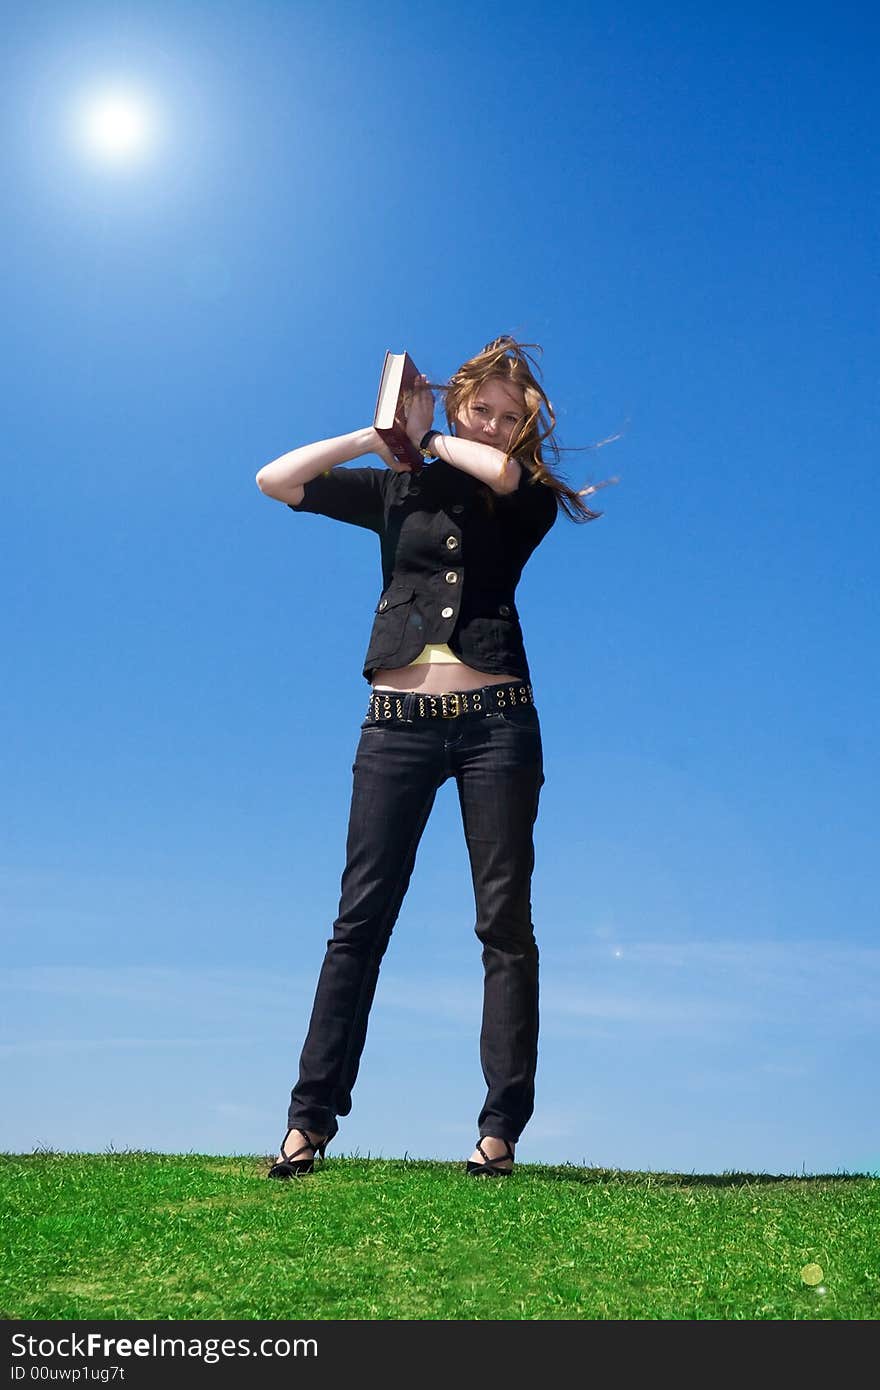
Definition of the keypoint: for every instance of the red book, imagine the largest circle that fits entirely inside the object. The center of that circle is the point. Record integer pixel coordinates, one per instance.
(399, 374)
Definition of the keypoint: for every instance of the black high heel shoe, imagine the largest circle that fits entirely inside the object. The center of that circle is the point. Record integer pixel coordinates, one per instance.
(292, 1166)
(490, 1168)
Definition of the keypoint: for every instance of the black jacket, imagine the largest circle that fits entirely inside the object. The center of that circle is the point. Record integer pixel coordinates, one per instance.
(450, 567)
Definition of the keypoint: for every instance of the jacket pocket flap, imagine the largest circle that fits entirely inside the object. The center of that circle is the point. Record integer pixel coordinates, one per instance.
(394, 596)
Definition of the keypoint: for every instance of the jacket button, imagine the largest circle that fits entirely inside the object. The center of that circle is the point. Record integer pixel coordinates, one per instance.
(504, 611)
(451, 577)
(414, 491)
(383, 605)
(458, 509)
(446, 612)
(451, 543)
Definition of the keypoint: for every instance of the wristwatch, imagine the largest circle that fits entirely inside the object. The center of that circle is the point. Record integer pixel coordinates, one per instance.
(425, 444)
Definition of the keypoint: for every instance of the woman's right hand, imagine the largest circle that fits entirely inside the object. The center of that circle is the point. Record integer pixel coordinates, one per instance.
(381, 448)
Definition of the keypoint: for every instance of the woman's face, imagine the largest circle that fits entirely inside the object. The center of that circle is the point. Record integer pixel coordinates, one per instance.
(492, 415)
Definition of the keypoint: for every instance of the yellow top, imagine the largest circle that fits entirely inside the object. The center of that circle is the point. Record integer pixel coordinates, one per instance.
(435, 651)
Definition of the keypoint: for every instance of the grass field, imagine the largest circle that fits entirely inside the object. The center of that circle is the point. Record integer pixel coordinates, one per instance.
(157, 1236)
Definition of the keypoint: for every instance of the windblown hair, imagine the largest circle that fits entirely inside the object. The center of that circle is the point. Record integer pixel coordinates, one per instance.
(507, 361)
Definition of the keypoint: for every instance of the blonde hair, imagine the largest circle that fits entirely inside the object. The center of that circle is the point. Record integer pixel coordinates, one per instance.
(507, 361)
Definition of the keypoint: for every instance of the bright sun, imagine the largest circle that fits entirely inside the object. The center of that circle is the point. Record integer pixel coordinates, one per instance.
(117, 126)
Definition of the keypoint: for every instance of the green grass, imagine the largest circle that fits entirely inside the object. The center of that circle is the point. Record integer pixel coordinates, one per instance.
(156, 1236)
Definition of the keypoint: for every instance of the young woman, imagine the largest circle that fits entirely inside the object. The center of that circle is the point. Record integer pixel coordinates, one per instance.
(451, 697)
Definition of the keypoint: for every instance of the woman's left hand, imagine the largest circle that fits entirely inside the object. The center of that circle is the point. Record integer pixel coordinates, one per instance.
(420, 415)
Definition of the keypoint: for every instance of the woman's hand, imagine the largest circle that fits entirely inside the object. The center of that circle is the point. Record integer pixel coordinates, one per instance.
(379, 447)
(420, 415)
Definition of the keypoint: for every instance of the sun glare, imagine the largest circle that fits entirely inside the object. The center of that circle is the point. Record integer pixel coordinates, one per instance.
(116, 126)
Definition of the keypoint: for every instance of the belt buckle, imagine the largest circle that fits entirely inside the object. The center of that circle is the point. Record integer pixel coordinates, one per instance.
(450, 714)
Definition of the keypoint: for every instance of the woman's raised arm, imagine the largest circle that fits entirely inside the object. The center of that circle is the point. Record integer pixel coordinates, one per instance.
(482, 461)
(284, 477)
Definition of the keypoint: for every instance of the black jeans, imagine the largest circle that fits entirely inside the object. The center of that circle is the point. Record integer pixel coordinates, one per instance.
(497, 762)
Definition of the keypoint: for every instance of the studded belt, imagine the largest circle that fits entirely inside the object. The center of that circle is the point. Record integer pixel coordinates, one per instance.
(409, 704)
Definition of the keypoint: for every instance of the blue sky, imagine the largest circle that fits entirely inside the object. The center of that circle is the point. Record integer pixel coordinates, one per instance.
(679, 206)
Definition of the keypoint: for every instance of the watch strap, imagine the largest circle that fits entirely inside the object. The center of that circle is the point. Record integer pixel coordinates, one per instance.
(425, 444)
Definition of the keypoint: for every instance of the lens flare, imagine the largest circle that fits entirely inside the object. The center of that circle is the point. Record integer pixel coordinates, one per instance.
(116, 126)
